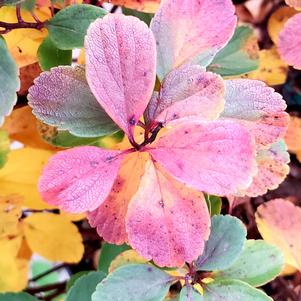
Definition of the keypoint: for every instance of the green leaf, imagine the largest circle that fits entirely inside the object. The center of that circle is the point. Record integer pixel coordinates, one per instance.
(233, 290)
(108, 253)
(258, 264)
(4, 147)
(134, 282)
(10, 2)
(62, 98)
(226, 241)
(214, 204)
(84, 287)
(50, 56)
(241, 55)
(65, 139)
(145, 17)
(188, 293)
(74, 277)
(9, 81)
(28, 5)
(68, 27)
(17, 297)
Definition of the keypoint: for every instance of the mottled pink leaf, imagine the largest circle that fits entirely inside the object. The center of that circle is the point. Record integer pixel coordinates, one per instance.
(272, 169)
(61, 97)
(258, 107)
(216, 157)
(289, 43)
(79, 179)
(121, 62)
(191, 31)
(109, 217)
(167, 221)
(188, 91)
(279, 223)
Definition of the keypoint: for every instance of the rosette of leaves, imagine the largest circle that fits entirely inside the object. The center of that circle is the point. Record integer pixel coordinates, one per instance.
(199, 133)
(231, 268)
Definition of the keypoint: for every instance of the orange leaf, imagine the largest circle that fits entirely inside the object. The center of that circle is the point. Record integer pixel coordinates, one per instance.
(293, 135)
(22, 126)
(277, 21)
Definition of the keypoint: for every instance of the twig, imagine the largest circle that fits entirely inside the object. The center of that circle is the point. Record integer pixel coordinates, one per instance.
(10, 26)
(113, 9)
(46, 288)
(18, 13)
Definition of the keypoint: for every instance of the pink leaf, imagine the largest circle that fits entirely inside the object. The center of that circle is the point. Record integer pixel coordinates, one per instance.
(167, 221)
(272, 169)
(79, 179)
(289, 44)
(109, 217)
(188, 91)
(216, 157)
(191, 31)
(121, 63)
(258, 107)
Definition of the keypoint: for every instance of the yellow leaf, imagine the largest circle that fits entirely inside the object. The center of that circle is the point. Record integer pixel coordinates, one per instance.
(272, 70)
(21, 125)
(148, 6)
(288, 270)
(13, 276)
(53, 237)
(81, 60)
(4, 147)
(22, 43)
(11, 244)
(277, 21)
(14, 271)
(21, 173)
(126, 257)
(279, 223)
(293, 135)
(10, 212)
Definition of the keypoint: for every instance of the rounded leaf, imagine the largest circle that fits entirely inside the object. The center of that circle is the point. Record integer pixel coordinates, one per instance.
(258, 264)
(225, 243)
(191, 31)
(61, 97)
(233, 290)
(53, 237)
(84, 287)
(68, 27)
(121, 62)
(290, 42)
(134, 283)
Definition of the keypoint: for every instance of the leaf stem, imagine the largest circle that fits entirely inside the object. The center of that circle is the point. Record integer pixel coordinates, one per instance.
(7, 27)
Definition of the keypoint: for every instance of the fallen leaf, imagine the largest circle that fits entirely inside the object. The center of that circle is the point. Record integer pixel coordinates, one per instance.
(290, 42)
(279, 223)
(277, 20)
(272, 69)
